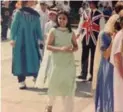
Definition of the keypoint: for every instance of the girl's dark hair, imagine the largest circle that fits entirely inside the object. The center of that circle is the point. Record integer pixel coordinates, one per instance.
(24, 3)
(68, 23)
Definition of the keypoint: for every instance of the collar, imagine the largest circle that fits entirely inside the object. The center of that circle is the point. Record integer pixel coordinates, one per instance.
(94, 10)
(30, 10)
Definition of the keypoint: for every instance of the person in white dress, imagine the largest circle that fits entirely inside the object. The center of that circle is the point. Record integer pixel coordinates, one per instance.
(46, 62)
(51, 22)
(117, 61)
(66, 6)
(41, 8)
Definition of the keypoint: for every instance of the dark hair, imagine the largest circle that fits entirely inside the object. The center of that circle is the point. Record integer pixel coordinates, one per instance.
(24, 3)
(94, 2)
(117, 25)
(118, 7)
(68, 24)
(121, 21)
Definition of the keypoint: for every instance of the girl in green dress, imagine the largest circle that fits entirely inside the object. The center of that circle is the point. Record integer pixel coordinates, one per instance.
(62, 43)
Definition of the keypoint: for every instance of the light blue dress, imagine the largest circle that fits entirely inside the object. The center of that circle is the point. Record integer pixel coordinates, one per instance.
(104, 90)
(26, 32)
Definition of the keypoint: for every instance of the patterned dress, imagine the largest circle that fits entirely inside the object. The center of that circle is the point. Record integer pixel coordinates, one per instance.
(63, 73)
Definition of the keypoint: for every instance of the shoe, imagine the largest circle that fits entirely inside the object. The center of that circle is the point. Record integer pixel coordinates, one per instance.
(81, 77)
(84, 80)
(90, 79)
(4, 39)
(34, 79)
(48, 109)
(22, 85)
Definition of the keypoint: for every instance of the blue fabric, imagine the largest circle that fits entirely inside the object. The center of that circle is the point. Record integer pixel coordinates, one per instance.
(26, 32)
(107, 12)
(105, 42)
(104, 90)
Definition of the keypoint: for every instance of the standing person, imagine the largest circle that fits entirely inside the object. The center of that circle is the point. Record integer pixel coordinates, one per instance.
(5, 17)
(46, 62)
(91, 27)
(15, 8)
(43, 12)
(84, 9)
(18, 5)
(107, 11)
(25, 33)
(62, 43)
(66, 7)
(118, 7)
(104, 89)
(51, 23)
(117, 61)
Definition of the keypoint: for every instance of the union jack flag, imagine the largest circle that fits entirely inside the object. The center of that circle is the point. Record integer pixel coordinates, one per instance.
(89, 26)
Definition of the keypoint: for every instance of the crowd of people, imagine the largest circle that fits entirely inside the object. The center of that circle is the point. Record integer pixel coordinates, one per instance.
(106, 54)
(43, 44)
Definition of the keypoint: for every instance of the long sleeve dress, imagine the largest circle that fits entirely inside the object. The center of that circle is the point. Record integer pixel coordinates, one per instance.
(26, 32)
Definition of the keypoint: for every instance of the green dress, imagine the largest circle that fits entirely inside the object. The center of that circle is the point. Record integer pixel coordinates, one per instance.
(26, 31)
(63, 73)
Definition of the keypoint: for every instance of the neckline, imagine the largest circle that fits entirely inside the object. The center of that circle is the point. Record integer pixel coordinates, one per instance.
(30, 10)
(62, 29)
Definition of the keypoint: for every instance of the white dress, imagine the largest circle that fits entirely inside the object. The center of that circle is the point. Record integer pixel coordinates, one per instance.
(43, 18)
(118, 81)
(46, 63)
(97, 60)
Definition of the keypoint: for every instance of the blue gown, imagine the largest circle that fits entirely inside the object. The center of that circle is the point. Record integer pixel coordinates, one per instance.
(26, 32)
(104, 89)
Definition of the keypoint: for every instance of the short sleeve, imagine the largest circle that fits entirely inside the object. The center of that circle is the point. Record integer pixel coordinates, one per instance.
(105, 42)
(52, 31)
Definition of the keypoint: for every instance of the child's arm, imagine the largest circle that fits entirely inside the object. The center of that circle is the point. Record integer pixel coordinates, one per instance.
(74, 42)
(118, 63)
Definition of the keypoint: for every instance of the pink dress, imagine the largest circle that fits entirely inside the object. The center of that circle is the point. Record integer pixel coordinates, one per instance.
(118, 80)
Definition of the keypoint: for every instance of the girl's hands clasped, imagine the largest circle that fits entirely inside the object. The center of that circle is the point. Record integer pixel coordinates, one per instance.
(66, 48)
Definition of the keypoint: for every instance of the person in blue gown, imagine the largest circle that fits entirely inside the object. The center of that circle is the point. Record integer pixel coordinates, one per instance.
(104, 90)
